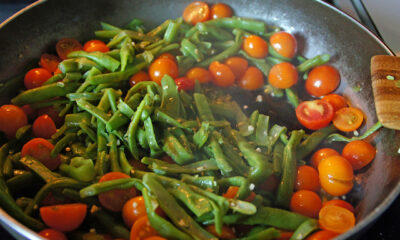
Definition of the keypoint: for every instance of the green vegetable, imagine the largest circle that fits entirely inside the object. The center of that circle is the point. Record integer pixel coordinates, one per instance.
(79, 168)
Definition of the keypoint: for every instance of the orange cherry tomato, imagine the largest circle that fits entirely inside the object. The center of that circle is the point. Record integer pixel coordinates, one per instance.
(162, 66)
(114, 200)
(196, 12)
(184, 83)
(11, 119)
(66, 45)
(252, 79)
(168, 56)
(200, 74)
(142, 229)
(49, 62)
(133, 209)
(222, 74)
(139, 77)
(306, 202)
(40, 149)
(336, 219)
(307, 179)
(238, 66)
(336, 101)
(322, 235)
(221, 10)
(283, 75)
(95, 46)
(36, 77)
(359, 153)
(322, 80)
(336, 175)
(255, 46)
(339, 203)
(284, 43)
(321, 154)
(232, 191)
(314, 114)
(52, 234)
(65, 217)
(348, 119)
(227, 232)
(44, 127)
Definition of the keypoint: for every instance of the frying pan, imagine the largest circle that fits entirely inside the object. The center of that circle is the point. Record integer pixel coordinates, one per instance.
(318, 27)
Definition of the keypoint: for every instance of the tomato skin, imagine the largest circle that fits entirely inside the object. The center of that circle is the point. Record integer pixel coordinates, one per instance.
(53, 113)
(40, 149)
(139, 77)
(321, 154)
(196, 12)
(155, 238)
(306, 202)
(348, 119)
(222, 74)
(200, 74)
(270, 184)
(284, 43)
(11, 119)
(114, 200)
(66, 45)
(49, 62)
(307, 179)
(168, 56)
(232, 191)
(95, 46)
(227, 232)
(339, 203)
(36, 77)
(44, 127)
(336, 101)
(133, 209)
(29, 111)
(336, 219)
(142, 229)
(221, 10)
(252, 79)
(322, 80)
(52, 234)
(162, 66)
(255, 46)
(359, 153)
(238, 66)
(322, 235)
(283, 75)
(65, 217)
(184, 83)
(314, 114)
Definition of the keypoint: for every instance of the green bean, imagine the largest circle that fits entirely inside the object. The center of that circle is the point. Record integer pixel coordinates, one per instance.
(335, 137)
(122, 183)
(277, 157)
(274, 53)
(305, 229)
(127, 53)
(312, 141)
(259, 63)
(203, 107)
(114, 159)
(54, 79)
(107, 26)
(135, 25)
(116, 230)
(273, 60)
(96, 112)
(62, 143)
(7, 170)
(235, 159)
(170, 103)
(159, 30)
(126, 167)
(74, 119)
(201, 136)
(162, 167)
(85, 127)
(261, 133)
(116, 121)
(98, 57)
(125, 109)
(74, 195)
(206, 182)
(173, 148)
(313, 62)
(241, 182)
(241, 23)
(68, 65)
(111, 98)
(267, 234)
(292, 97)
(216, 32)
(131, 133)
(172, 30)
(220, 158)
(189, 49)
(151, 138)
(41, 170)
(20, 181)
(85, 95)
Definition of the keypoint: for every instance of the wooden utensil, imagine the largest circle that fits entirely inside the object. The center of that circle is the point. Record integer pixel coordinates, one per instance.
(385, 74)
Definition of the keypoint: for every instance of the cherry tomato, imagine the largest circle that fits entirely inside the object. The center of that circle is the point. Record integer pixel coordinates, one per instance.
(221, 10)
(285, 235)
(283, 75)
(336, 101)
(359, 153)
(40, 149)
(336, 219)
(142, 229)
(29, 111)
(49, 62)
(155, 238)
(133, 209)
(53, 113)
(227, 232)
(57, 71)
(168, 159)
(52, 199)
(322, 235)
(232, 191)
(306, 202)
(95, 46)
(168, 56)
(222, 74)
(200, 74)
(335, 175)
(184, 83)
(52, 234)
(196, 12)
(322, 80)
(44, 127)
(339, 203)
(284, 43)
(11, 119)
(314, 114)
(348, 119)
(307, 179)
(114, 200)
(252, 79)
(321, 154)
(65, 217)
(139, 77)
(238, 66)
(255, 46)
(162, 66)
(36, 77)
(66, 45)
(270, 184)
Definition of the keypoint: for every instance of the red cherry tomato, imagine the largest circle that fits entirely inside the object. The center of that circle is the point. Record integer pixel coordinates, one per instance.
(53, 113)
(232, 191)
(196, 12)
(95, 46)
(284, 43)
(52, 234)
(226, 233)
(283, 75)
(222, 74)
(252, 79)
(314, 114)
(49, 62)
(36, 77)
(65, 217)
(184, 83)
(66, 45)
(270, 184)
(162, 66)
(29, 111)
(336, 101)
(11, 119)
(200, 74)
(44, 127)
(139, 77)
(322, 80)
(40, 149)
(221, 10)
(255, 46)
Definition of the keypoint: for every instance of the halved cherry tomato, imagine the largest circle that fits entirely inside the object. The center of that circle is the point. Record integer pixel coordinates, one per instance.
(232, 191)
(314, 114)
(238, 66)
(44, 127)
(184, 83)
(336, 101)
(66, 45)
(255, 46)
(307, 179)
(11, 119)
(322, 80)
(40, 149)
(252, 79)
(227, 232)
(223, 75)
(284, 43)
(336, 175)
(306, 202)
(200, 74)
(322, 235)
(36, 77)
(359, 153)
(65, 217)
(348, 119)
(336, 219)
(133, 209)
(114, 200)
(162, 66)
(49, 62)
(29, 111)
(283, 75)
(339, 203)
(221, 10)
(139, 77)
(53, 113)
(142, 229)
(322, 154)
(52, 234)
(95, 46)
(168, 56)
(196, 12)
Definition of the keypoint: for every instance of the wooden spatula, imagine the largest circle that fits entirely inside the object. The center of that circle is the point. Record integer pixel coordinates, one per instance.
(385, 73)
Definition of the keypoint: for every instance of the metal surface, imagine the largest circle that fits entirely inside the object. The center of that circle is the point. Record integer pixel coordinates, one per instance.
(318, 27)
